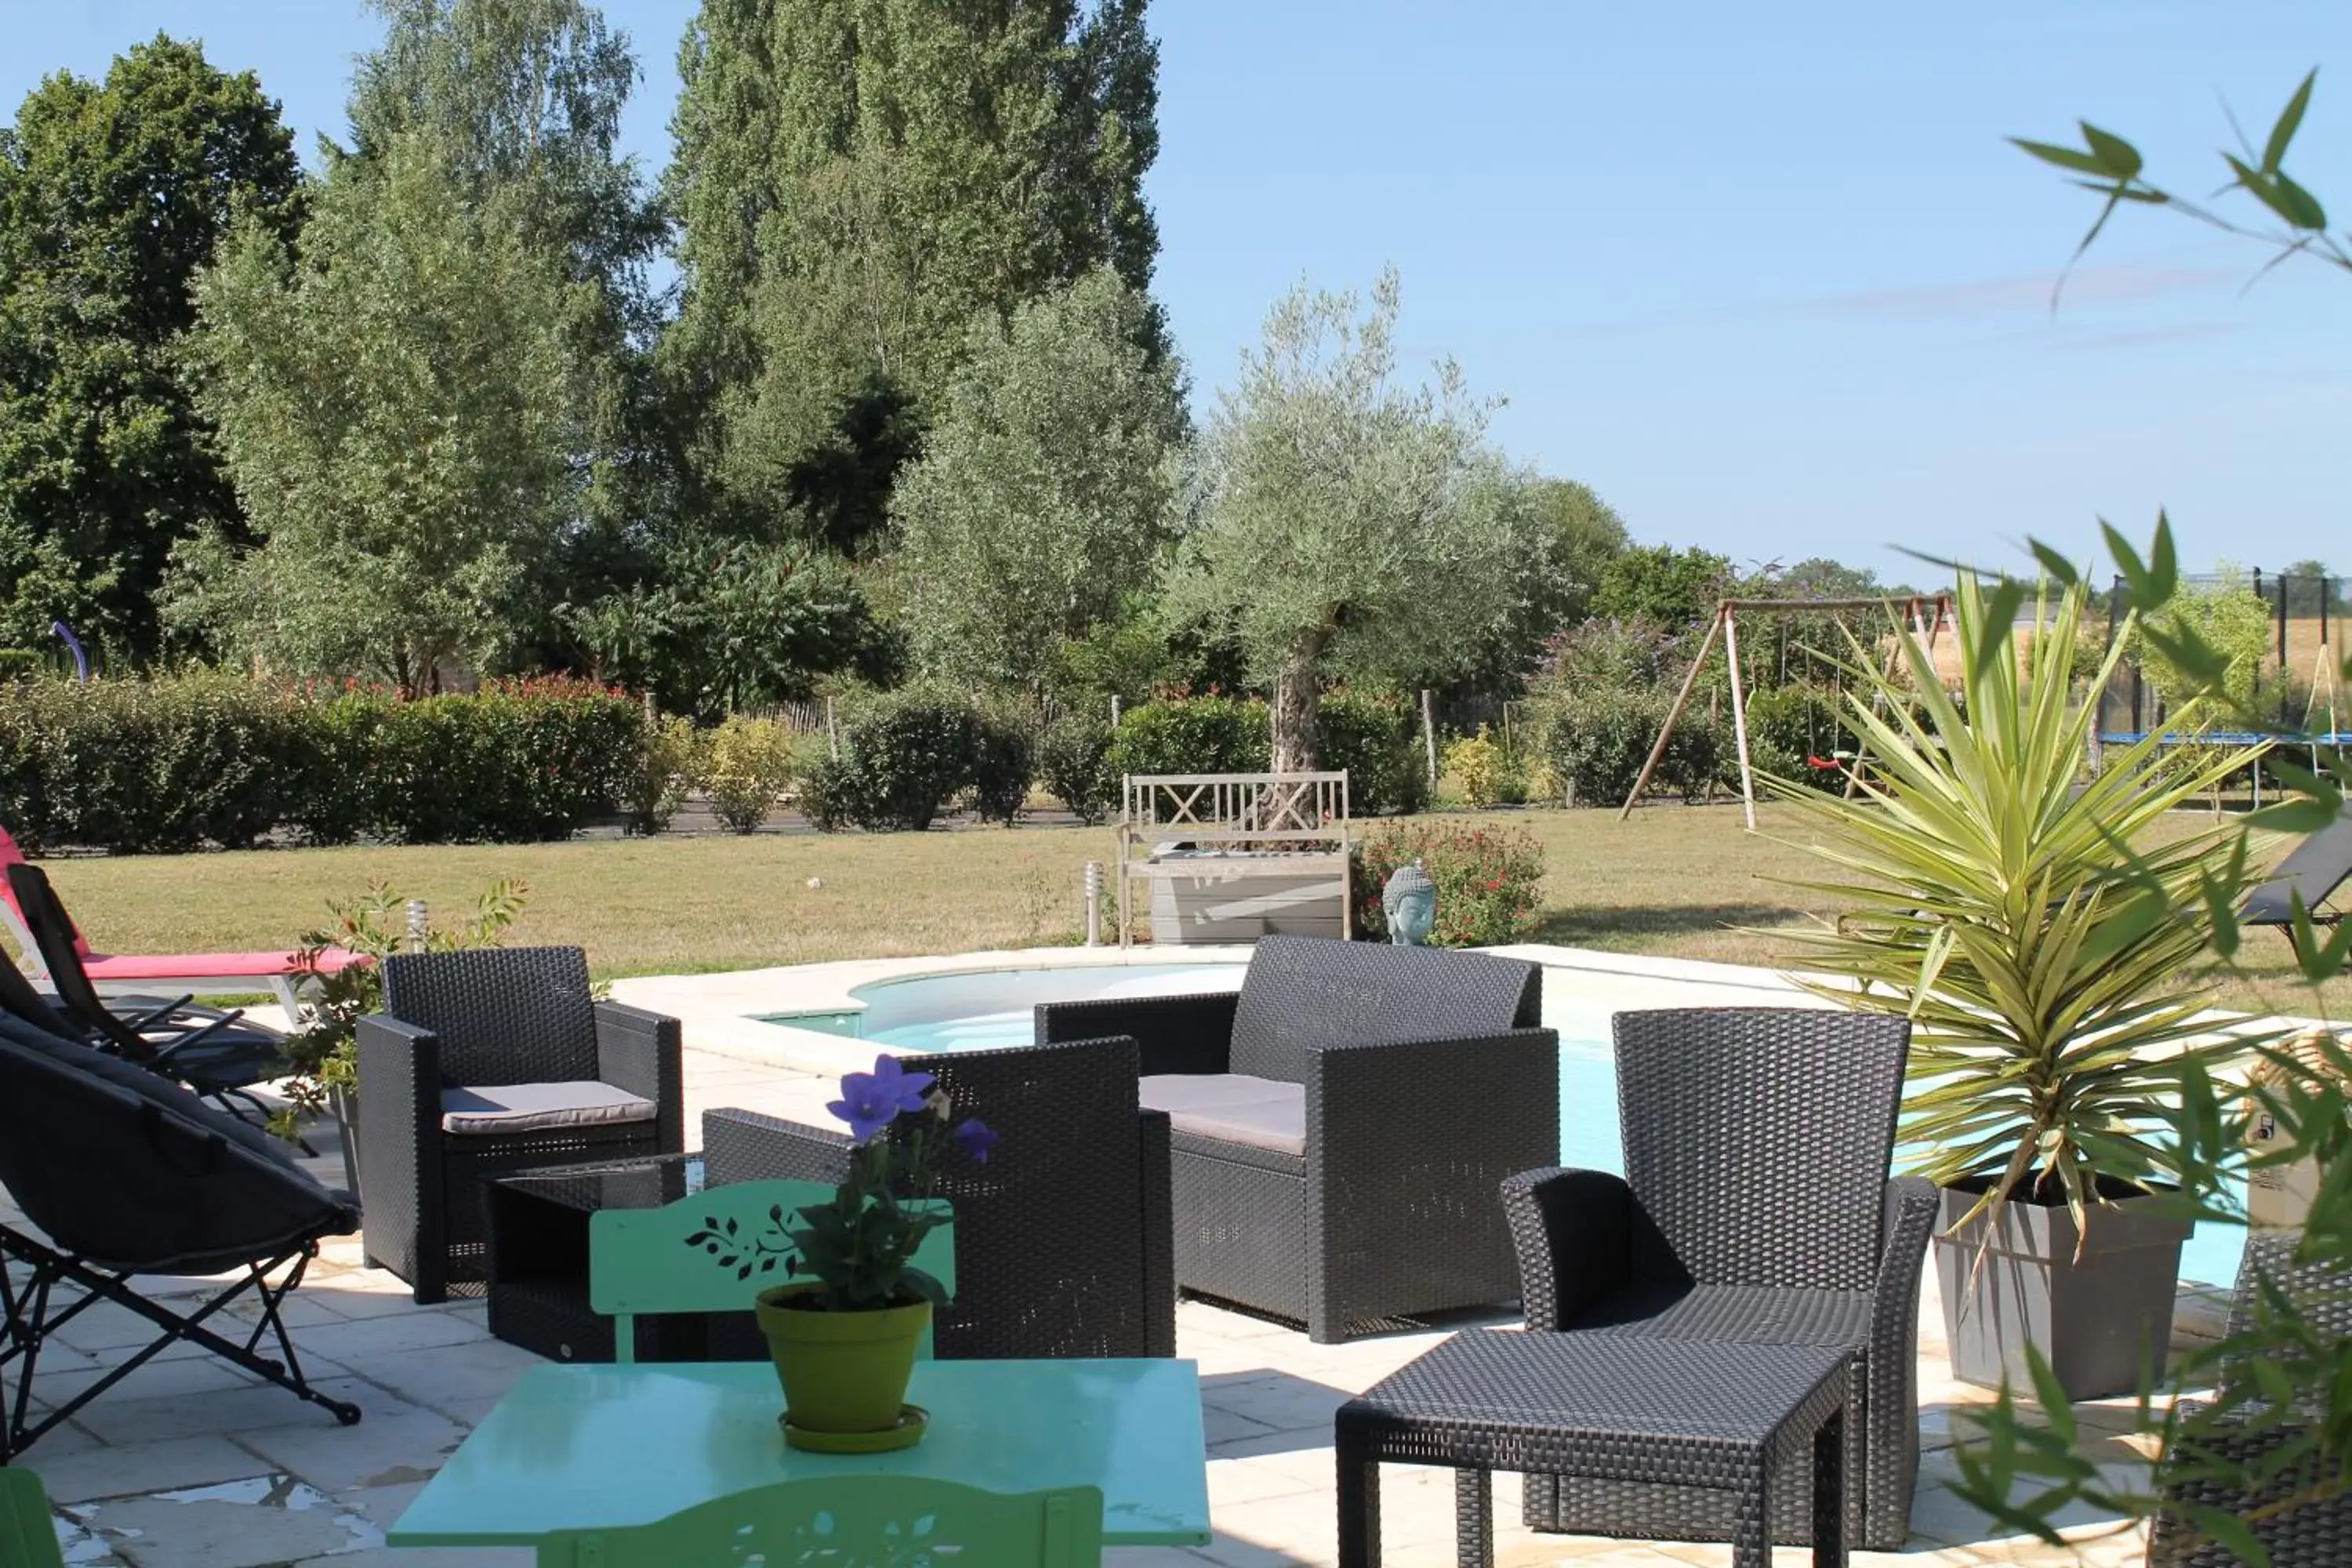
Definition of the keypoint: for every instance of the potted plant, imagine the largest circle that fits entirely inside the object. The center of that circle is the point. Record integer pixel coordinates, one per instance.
(323, 1043)
(2005, 903)
(843, 1332)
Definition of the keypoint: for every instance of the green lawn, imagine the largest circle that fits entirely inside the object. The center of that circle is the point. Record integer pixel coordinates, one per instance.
(1685, 882)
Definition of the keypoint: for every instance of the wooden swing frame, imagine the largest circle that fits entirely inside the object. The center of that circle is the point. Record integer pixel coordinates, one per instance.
(1924, 613)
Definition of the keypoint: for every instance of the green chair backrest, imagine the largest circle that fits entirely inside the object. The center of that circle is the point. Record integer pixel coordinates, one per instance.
(712, 1251)
(854, 1521)
(29, 1530)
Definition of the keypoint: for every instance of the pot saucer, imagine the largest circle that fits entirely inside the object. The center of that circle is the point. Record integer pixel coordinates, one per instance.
(906, 1434)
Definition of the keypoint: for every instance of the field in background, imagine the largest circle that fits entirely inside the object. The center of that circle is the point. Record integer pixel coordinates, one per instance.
(1679, 881)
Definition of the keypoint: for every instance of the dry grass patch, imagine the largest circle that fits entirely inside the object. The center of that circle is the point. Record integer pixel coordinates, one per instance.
(1685, 882)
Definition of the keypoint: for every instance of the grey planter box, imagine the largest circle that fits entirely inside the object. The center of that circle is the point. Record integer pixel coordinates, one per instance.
(2095, 1321)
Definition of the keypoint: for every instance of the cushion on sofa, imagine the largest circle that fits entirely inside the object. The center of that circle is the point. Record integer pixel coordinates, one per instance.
(512, 1108)
(1262, 1113)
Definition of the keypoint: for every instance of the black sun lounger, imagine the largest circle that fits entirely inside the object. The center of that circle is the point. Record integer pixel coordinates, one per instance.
(2316, 868)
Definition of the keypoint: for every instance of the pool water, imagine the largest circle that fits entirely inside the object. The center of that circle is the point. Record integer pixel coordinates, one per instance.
(994, 1010)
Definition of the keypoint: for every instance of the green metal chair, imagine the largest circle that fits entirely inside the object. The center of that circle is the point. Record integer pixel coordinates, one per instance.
(854, 1521)
(29, 1530)
(710, 1252)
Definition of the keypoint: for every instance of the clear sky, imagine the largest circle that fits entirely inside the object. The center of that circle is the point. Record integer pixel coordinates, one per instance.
(1765, 276)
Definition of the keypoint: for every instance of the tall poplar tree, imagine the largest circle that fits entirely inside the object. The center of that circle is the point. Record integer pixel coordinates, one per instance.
(112, 194)
(855, 179)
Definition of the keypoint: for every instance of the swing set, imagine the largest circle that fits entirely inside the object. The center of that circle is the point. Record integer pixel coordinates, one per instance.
(1924, 614)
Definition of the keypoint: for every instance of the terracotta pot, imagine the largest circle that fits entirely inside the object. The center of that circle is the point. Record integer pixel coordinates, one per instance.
(840, 1372)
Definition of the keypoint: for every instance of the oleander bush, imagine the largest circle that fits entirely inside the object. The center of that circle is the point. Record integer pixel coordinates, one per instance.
(1488, 880)
(1595, 743)
(901, 763)
(1074, 765)
(1193, 736)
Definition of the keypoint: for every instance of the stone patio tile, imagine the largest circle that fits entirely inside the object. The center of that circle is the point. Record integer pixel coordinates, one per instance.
(398, 1443)
(1240, 1480)
(233, 1532)
(356, 1341)
(1221, 1426)
(244, 1409)
(107, 1327)
(182, 1377)
(131, 1469)
(1280, 1403)
(462, 1382)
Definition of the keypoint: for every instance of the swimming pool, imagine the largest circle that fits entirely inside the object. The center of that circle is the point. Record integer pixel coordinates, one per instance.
(991, 1010)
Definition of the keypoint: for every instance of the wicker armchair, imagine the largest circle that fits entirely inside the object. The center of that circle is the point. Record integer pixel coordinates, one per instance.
(2312, 1534)
(488, 1061)
(1062, 1240)
(1756, 1208)
(1340, 1125)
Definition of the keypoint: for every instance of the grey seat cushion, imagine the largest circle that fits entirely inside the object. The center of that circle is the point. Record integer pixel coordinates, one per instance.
(1261, 1112)
(512, 1108)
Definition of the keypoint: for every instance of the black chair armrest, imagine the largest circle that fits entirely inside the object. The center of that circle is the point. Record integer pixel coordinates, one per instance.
(1171, 1034)
(1573, 1231)
(401, 1176)
(643, 1053)
(746, 1146)
(1153, 1132)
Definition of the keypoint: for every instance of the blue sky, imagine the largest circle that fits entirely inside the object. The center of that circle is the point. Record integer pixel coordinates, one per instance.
(1767, 278)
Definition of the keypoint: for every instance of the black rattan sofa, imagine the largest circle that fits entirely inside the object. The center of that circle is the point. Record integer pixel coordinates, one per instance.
(491, 1060)
(1756, 1208)
(1062, 1238)
(2299, 1519)
(1341, 1125)
(125, 1173)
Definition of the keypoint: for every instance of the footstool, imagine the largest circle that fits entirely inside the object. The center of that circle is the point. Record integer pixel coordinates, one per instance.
(1673, 1412)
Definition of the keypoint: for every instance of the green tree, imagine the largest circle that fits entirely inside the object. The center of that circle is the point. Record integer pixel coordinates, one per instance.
(853, 180)
(1658, 583)
(1342, 524)
(400, 412)
(111, 196)
(2225, 614)
(1042, 495)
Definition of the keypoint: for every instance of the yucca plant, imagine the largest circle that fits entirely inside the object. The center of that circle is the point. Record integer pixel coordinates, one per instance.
(2005, 903)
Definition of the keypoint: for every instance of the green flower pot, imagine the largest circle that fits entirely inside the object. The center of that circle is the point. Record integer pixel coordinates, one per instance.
(840, 1372)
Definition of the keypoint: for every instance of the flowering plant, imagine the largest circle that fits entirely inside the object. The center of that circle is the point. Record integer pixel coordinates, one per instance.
(859, 1248)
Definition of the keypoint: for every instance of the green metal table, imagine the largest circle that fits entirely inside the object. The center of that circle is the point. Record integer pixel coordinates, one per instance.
(587, 1447)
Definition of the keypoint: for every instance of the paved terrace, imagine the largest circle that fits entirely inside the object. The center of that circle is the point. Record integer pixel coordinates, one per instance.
(190, 1464)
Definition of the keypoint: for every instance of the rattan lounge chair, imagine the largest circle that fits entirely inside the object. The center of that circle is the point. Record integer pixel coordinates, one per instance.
(488, 1061)
(1755, 1208)
(125, 1173)
(1340, 1125)
(2315, 1533)
(1062, 1241)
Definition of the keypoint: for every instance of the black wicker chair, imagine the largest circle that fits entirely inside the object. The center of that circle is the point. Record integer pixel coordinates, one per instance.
(1340, 1125)
(126, 1173)
(1061, 1238)
(1756, 1208)
(2302, 1534)
(488, 1061)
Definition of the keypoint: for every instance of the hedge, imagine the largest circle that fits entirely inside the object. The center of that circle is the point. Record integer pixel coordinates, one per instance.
(179, 762)
(1596, 743)
(906, 758)
(1374, 736)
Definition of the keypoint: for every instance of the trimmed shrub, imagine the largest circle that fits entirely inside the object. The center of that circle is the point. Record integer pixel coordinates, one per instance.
(1074, 762)
(899, 765)
(1376, 736)
(1003, 763)
(747, 764)
(667, 767)
(1193, 736)
(1488, 880)
(1596, 743)
(1490, 775)
(1787, 728)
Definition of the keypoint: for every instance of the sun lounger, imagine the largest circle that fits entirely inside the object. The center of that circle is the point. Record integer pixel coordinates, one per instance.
(2316, 868)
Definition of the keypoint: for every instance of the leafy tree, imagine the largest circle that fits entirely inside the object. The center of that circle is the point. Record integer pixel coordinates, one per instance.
(111, 196)
(1042, 497)
(1570, 535)
(400, 412)
(519, 103)
(1659, 583)
(856, 179)
(1343, 524)
(2225, 614)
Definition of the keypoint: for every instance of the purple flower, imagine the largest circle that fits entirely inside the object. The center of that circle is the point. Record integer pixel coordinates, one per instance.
(870, 1101)
(976, 1138)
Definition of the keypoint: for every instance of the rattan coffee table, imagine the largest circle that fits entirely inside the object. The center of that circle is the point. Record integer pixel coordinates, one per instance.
(1628, 1411)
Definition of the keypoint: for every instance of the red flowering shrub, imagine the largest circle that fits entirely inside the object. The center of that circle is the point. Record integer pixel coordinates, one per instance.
(1487, 880)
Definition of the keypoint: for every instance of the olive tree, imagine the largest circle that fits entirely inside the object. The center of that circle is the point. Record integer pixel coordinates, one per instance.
(1341, 524)
(1041, 501)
